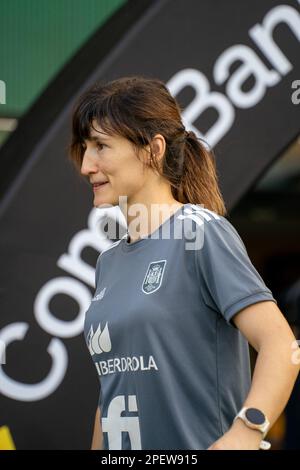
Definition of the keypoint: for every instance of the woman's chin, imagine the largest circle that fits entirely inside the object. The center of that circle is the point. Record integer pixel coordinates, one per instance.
(99, 201)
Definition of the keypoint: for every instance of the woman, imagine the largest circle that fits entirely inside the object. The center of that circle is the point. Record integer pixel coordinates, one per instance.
(171, 316)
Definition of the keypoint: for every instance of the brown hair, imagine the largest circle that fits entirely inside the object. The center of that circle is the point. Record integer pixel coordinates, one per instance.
(137, 108)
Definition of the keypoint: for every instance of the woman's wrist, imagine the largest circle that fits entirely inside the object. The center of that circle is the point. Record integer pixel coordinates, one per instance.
(245, 432)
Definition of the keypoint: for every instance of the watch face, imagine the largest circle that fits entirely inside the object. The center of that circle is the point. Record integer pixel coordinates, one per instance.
(255, 416)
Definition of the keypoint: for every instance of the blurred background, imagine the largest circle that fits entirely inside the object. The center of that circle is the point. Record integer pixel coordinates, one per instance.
(50, 51)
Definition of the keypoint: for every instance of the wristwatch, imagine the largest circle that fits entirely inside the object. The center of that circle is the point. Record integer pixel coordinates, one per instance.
(255, 419)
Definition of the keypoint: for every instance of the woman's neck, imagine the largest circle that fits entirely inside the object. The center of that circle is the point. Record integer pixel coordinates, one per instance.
(144, 218)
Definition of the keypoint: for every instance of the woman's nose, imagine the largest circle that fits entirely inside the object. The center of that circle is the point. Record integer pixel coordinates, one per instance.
(88, 165)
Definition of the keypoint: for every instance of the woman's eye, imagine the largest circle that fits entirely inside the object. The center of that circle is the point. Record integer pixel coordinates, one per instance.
(99, 146)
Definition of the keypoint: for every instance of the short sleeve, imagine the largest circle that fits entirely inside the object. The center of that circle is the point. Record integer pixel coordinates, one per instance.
(228, 280)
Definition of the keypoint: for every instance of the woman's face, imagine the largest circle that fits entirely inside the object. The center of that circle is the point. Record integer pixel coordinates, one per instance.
(111, 160)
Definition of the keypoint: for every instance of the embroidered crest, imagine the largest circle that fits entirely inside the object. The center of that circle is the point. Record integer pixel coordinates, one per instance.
(154, 275)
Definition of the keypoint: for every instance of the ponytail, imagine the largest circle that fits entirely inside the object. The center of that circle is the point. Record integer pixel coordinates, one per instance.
(198, 182)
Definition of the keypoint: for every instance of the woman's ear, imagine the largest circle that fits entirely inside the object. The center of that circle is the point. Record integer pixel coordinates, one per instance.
(158, 146)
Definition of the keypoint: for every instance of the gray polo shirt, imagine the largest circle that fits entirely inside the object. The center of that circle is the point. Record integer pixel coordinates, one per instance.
(173, 368)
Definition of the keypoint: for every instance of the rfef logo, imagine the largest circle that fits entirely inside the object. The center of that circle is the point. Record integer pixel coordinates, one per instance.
(154, 275)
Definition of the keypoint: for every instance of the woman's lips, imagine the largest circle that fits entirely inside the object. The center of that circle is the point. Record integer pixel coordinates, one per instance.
(98, 186)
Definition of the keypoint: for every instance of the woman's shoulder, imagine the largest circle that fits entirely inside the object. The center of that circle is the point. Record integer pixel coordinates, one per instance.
(197, 216)
(208, 227)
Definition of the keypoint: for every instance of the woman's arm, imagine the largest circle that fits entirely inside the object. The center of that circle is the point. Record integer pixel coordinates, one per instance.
(275, 373)
(97, 435)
